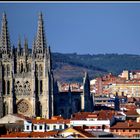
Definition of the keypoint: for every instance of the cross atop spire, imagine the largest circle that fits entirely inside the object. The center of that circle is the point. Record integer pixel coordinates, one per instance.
(5, 40)
(40, 40)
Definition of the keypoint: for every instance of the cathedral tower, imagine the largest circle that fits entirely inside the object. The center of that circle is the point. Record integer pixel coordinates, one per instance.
(44, 77)
(26, 77)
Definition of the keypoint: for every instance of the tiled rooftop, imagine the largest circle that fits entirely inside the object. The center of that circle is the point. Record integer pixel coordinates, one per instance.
(126, 125)
(100, 115)
(32, 134)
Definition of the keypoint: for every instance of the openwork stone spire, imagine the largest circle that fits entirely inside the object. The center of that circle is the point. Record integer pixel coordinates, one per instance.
(40, 40)
(25, 49)
(5, 40)
(19, 47)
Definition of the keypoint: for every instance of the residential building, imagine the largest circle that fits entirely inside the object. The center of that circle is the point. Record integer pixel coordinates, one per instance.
(126, 129)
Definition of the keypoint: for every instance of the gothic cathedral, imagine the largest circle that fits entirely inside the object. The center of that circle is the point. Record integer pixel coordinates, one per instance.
(27, 85)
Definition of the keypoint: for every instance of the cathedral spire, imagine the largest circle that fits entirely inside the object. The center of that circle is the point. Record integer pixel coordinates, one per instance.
(25, 49)
(40, 40)
(5, 40)
(86, 78)
(19, 46)
(86, 94)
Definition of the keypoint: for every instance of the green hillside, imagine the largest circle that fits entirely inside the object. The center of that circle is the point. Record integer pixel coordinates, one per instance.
(71, 67)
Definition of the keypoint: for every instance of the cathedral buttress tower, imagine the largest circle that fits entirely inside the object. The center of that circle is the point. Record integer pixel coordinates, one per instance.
(44, 77)
(7, 60)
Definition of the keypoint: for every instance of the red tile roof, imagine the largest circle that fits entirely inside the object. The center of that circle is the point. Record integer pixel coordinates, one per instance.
(131, 112)
(32, 134)
(100, 115)
(50, 121)
(126, 125)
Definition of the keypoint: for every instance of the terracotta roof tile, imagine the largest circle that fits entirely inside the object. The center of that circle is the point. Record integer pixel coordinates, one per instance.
(126, 125)
(50, 121)
(131, 112)
(32, 134)
(101, 115)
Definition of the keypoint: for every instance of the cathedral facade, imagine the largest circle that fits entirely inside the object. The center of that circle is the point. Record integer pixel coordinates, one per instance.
(27, 85)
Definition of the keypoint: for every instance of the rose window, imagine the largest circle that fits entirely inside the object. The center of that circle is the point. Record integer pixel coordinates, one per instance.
(23, 107)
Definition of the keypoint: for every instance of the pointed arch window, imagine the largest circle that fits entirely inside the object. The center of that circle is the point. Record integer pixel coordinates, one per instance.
(4, 87)
(8, 87)
(41, 89)
(21, 69)
(39, 109)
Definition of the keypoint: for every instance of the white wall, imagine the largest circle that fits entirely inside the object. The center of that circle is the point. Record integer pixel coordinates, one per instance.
(57, 126)
(89, 123)
(38, 128)
(26, 123)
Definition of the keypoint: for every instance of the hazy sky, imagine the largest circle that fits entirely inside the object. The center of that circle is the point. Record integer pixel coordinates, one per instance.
(78, 27)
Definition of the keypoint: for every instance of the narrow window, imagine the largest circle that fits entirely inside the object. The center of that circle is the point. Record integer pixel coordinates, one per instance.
(48, 127)
(27, 127)
(40, 127)
(40, 86)
(8, 87)
(21, 69)
(35, 127)
(54, 127)
(4, 87)
(60, 126)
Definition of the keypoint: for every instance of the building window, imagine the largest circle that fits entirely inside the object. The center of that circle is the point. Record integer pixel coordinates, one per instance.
(54, 127)
(48, 127)
(4, 87)
(60, 126)
(8, 87)
(21, 68)
(27, 127)
(35, 127)
(130, 130)
(41, 87)
(40, 127)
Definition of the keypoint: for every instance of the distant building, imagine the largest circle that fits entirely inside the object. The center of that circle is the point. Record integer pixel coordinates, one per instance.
(126, 129)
